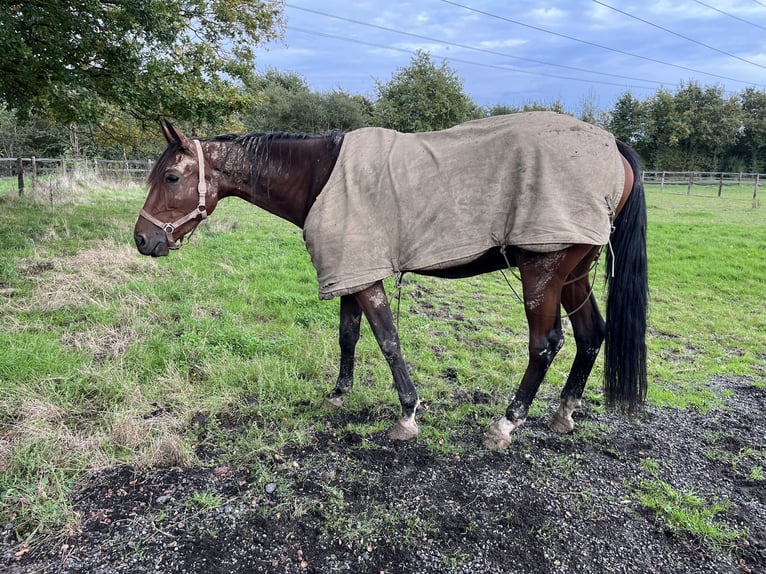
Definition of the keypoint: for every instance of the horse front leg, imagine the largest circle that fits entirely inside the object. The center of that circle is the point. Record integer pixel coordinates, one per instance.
(374, 304)
(348, 336)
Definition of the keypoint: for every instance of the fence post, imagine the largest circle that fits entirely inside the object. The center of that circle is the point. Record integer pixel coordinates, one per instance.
(691, 182)
(720, 185)
(34, 172)
(20, 173)
(662, 182)
(755, 191)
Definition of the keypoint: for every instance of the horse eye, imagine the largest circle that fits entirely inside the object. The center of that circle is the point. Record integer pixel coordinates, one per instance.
(171, 178)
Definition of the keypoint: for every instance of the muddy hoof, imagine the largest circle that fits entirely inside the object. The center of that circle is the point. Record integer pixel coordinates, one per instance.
(561, 423)
(333, 403)
(495, 441)
(404, 430)
(498, 436)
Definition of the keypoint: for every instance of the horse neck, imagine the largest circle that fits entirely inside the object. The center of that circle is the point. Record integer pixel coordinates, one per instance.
(281, 174)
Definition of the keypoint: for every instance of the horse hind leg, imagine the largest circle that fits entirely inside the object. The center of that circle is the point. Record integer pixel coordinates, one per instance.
(589, 329)
(541, 282)
(348, 336)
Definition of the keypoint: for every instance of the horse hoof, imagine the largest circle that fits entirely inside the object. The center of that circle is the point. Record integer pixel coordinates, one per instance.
(333, 403)
(498, 436)
(404, 429)
(560, 423)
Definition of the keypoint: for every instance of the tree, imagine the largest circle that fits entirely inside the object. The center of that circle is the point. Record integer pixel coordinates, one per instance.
(288, 104)
(75, 59)
(627, 121)
(664, 131)
(421, 97)
(710, 125)
(752, 139)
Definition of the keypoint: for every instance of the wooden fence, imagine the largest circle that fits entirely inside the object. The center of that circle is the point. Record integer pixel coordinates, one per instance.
(30, 170)
(715, 181)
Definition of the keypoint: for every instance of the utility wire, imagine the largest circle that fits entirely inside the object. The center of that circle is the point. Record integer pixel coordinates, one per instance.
(467, 47)
(616, 50)
(725, 53)
(732, 15)
(350, 20)
(461, 61)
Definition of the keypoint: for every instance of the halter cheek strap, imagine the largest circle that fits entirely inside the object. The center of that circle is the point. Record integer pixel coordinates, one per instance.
(200, 212)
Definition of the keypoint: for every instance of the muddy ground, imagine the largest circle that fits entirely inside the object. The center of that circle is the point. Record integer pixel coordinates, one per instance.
(348, 503)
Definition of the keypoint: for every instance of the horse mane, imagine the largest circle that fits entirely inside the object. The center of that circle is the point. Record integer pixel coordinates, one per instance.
(247, 153)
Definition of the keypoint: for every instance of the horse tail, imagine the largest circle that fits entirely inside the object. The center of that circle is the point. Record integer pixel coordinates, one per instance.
(627, 298)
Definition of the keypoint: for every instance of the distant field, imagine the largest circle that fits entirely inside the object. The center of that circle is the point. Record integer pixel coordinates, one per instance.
(96, 338)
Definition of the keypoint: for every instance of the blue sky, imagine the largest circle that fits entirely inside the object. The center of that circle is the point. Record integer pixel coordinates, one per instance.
(516, 51)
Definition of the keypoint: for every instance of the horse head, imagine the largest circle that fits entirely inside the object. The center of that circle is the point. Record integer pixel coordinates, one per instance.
(178, 195)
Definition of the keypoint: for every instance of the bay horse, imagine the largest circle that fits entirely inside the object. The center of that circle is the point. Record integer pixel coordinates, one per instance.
(285, 174)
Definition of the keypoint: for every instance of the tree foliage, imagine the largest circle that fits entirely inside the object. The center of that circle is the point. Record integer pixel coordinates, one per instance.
(288, 104)
(77, 60)
(695, 128)
(422, 97)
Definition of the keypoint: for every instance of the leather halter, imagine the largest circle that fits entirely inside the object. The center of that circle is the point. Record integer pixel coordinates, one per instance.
(199, 212)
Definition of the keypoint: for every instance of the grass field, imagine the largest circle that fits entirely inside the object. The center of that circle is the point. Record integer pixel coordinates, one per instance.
(107, 357)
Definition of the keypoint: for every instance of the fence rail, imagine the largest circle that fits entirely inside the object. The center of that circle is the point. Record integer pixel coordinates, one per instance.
(690, 179)
(30, 170)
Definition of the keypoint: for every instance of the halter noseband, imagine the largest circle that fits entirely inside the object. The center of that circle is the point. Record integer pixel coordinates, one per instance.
(200, 211)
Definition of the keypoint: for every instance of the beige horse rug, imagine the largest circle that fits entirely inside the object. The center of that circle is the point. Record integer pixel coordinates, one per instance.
(406, 202)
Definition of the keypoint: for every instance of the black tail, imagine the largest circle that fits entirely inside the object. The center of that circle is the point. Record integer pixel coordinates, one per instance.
(627, 299)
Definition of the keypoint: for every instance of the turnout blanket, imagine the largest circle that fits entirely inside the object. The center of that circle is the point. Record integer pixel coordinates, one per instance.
(406, 202)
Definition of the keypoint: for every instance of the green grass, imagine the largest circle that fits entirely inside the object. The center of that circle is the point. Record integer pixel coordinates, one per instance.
(684, 512)
(106, 356)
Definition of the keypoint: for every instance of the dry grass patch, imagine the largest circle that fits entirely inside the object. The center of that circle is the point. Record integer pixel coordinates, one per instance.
(102, 341)
(153, 441)
(90, 277)
(40, 429)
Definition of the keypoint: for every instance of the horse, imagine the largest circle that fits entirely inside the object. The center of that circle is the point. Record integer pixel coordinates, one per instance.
(286, 174)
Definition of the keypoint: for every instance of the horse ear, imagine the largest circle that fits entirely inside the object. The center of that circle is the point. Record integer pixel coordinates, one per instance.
(173, 135)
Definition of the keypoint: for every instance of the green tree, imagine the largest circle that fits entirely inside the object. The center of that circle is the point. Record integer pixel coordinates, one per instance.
(627, 120)
(288, 104)
(710, 124)
(421, 97)
(188, 59)
(664, 131)
(501, 110)
(752, 138)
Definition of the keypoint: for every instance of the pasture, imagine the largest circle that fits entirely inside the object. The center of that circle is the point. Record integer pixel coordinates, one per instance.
(198, 379)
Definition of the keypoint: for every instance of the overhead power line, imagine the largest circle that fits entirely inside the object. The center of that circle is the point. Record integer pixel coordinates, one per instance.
(469, 62)
(463, 46)
(732, 15)
(600, 46)
(725, 53)
(468, 47)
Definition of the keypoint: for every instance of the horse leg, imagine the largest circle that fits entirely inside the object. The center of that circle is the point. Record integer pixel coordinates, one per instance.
(348, 336)
(374, 304)
(541, 281)
(589, 330)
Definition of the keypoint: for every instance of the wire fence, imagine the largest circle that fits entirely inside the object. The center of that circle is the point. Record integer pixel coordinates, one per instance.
(708, 183)
(23, 173)
(27, 172)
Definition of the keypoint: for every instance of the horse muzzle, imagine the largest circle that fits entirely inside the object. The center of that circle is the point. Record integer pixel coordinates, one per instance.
(153, 244)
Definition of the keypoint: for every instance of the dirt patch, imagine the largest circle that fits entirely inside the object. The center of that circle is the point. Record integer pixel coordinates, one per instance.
(358, 504)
